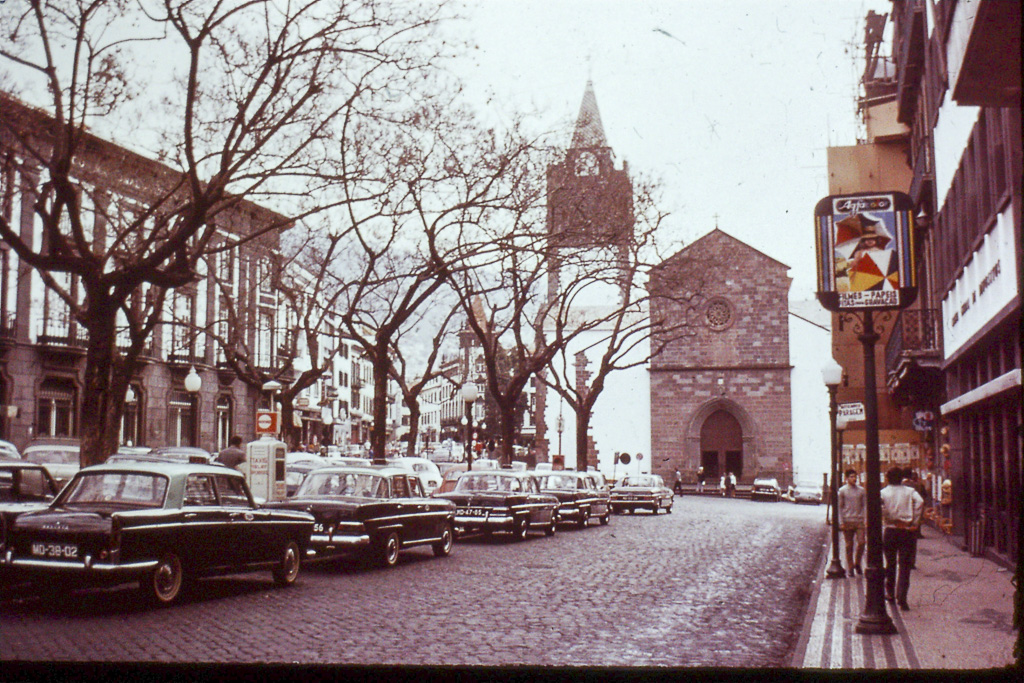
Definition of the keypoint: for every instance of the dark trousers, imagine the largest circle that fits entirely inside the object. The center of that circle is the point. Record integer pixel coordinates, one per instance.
(898, 545)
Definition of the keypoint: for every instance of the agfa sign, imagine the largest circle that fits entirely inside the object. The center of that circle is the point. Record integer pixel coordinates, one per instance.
(865, 251)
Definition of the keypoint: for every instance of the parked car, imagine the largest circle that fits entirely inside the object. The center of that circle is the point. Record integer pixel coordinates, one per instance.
(299, 464)
(807, 493)
(641, 491)
(162, 524)
(61, 457)
(579, 497)
(451, 476)
(766, 488)
(24, 486)
(426, 470)
(8, 451)
(502, 500)
(374, 512)
(196, 456)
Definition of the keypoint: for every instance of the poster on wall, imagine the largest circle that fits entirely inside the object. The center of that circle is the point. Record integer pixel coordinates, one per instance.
(865, 251)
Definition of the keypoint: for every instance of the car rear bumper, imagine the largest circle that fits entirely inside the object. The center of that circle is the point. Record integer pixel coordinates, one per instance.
(319, 543)
(85, 567)
(497, 521)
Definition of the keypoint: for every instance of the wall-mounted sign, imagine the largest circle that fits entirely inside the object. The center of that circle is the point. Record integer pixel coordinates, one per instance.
(986, 286)
(853, 412)
(865, 251)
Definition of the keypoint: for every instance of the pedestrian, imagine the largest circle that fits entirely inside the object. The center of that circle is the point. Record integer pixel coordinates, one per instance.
(852, 512)
(913, 482)
(678, 487)
(731, 485)
(901, 516)
(233, 455)
(723, 489)
(700, 479)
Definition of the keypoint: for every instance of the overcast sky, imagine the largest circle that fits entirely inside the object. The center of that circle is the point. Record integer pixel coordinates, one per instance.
(730, 103)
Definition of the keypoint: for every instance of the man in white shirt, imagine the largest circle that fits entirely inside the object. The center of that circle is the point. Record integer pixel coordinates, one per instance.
(901, 517)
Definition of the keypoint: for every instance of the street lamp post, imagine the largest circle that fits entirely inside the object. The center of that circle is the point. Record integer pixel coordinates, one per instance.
(560, 426)
(469, 394)
(193, 383)
(327, 417)
(832, 374)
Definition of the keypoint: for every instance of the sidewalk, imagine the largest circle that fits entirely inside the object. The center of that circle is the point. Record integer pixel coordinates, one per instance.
(960, 617)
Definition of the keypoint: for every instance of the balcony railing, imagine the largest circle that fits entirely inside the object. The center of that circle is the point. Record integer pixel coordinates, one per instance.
(62, 334)
(916, 332)
(8, 326)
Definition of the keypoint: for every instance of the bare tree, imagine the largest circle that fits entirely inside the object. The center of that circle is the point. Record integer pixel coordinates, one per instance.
(257, 96)
(647, 306)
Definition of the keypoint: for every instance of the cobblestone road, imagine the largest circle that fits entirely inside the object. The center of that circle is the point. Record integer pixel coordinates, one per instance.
(716, 583)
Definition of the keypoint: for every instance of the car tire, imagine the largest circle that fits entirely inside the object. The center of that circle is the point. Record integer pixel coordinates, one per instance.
(607, 517)
(668, 510)
(287, 570)
(520, 529)
(584, 519)
(551, 528)
(443, 548)
(386, 550)
(163, 585)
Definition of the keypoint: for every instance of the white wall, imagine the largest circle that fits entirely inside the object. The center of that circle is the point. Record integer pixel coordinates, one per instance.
(809, 348)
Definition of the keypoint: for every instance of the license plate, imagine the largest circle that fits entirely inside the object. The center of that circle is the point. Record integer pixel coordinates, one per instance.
(67, 551)
(475, 512)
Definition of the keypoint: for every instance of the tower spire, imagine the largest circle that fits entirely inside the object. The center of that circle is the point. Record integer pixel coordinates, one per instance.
(589, 130)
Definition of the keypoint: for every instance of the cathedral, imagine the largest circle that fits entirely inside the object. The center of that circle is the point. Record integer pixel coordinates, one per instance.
(716, 394)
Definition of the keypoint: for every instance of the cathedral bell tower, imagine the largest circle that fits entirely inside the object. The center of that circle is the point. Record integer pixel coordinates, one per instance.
(590, 202)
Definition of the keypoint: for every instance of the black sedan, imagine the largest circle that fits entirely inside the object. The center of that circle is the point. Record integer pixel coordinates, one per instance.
(159, 523)
(642, 491)
(579, 497)
(24, 487)
(372, 512)
(502, 500)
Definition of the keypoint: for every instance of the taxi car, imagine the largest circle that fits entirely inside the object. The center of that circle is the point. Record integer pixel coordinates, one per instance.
(502, 500)
(24, 486)
(807, 493)
(60, 457)
(373, 512)
(162, 524)
(580, 499)
(641, 491)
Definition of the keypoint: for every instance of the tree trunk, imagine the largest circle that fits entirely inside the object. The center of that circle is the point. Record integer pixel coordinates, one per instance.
(102, 396)
(379, 432)
(507, 416)
(414, 421)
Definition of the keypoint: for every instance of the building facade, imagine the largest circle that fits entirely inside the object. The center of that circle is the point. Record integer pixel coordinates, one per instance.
(720, 394)
(952, 89)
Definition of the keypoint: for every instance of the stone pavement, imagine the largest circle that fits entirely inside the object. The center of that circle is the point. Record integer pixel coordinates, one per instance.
(960, 617)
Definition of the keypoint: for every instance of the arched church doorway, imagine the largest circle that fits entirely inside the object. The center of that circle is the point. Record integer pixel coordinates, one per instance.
(721, 445)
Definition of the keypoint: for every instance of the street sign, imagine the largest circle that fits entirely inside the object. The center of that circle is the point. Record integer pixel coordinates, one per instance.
(624, 458)
(851, 411)
(266, 422)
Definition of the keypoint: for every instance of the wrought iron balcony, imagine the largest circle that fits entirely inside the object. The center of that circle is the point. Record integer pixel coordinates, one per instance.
(62, 335)
(913, 354)
(8, 326)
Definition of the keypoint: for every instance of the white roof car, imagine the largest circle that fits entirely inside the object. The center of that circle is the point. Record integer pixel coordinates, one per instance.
(8, 451)
(428, 472)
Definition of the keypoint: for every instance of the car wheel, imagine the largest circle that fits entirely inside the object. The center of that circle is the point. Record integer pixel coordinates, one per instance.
(606, 518)
(287, 570)
(584, 519)
(386, 554)
(163, 584)
(551, 528)
(443, 548)
(520, 529)
(668, 510)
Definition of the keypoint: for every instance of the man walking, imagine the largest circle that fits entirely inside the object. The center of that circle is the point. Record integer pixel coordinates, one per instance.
(901, 516)
(233, 455)
(852, 511)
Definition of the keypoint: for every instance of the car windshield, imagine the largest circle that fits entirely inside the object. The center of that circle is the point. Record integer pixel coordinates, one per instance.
(557, 481)
(486, 482)
(133, 489)
(46, 456)
(343, 484)
(638, 481)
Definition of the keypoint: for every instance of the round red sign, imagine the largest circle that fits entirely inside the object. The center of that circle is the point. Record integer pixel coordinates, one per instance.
(265, 421)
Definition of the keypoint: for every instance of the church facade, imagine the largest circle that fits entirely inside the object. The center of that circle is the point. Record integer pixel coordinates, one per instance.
(720, 391)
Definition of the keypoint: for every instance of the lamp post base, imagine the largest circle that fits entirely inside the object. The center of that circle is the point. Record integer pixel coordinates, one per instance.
(875, 624)
(874, 619)
(835, 570)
